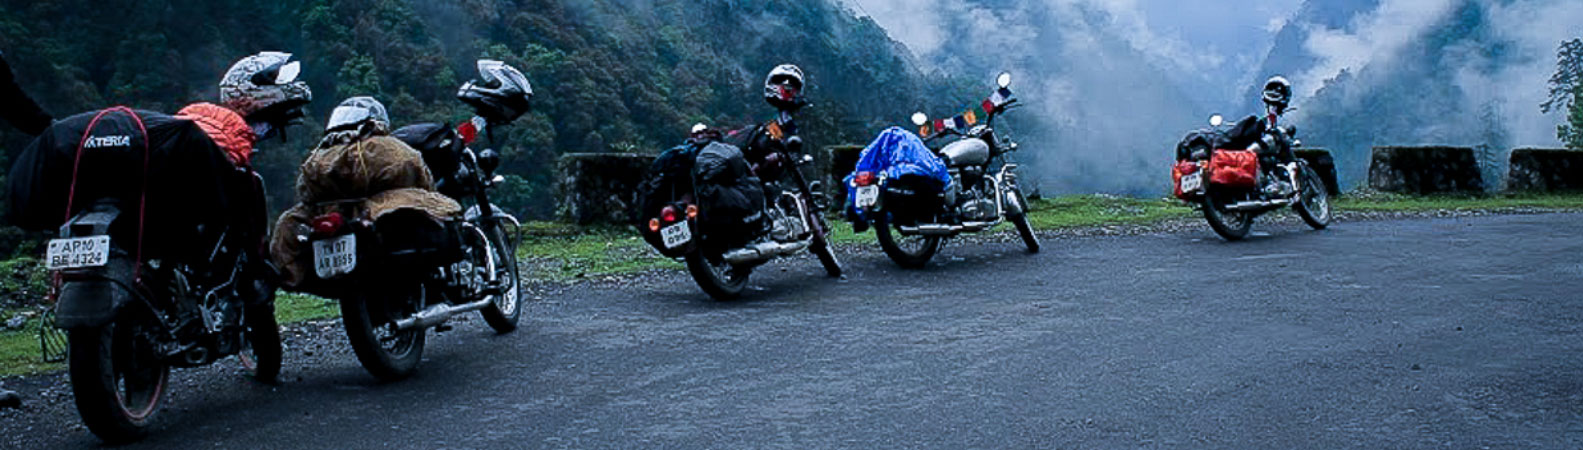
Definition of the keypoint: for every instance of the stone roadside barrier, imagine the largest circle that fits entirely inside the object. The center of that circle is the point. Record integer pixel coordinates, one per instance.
(599, 187)
(1425, 170)
(1545, 170)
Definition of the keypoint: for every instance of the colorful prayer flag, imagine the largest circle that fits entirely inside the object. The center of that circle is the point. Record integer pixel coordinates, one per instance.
(972, 119)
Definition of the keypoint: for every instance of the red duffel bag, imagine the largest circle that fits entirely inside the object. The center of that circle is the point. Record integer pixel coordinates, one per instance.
(1234, 168)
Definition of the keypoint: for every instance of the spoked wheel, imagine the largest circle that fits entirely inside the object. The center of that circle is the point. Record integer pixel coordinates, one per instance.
(387, 354)
(1024, 229)
(503, 314)
(912, 252)
(261, 352)
(1231, 225)
(718, 278)
(1314, 203)
(822, 248)
(117, 380)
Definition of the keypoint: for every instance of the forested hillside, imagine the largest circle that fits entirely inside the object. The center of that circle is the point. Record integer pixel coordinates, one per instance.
(610, 75)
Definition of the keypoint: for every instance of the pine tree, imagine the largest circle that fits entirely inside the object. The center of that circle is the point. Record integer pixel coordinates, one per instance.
(1566, 93)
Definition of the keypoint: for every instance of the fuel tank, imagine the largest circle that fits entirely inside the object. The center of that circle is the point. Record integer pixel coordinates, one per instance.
(967, 152)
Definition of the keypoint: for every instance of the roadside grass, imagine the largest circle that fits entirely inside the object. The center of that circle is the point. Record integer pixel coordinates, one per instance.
(1383, 202)
(20, 353)
(560, 252)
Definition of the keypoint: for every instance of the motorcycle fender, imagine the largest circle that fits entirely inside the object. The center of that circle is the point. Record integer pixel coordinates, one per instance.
(89, 303)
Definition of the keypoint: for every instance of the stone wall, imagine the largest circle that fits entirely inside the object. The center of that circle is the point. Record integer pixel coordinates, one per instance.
(1322, 162)
(599, 187)
(1425, 170)
(838, 162)
(1545, 170)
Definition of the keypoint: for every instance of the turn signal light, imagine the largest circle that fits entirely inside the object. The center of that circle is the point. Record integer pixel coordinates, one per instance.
(692, 211)
(654, 225)
(864, 179)
(328, 224)
(670, 215)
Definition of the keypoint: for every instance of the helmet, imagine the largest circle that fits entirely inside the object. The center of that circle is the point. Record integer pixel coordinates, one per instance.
(500, 95)
(783, 88)
(263, 88)
(352, 113)
(1278, 92)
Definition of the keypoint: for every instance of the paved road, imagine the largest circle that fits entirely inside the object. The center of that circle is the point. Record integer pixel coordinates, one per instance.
(1458, 333)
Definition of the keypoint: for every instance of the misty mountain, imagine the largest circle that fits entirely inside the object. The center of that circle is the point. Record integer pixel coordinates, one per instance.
(622, 75)
(1391, 72)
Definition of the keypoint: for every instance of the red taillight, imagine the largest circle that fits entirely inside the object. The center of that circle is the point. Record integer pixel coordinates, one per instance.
(654, 225)
(328, 224)
(670, 214)
(865, 179)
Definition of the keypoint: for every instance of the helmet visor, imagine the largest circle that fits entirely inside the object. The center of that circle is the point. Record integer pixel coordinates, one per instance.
(349, 115)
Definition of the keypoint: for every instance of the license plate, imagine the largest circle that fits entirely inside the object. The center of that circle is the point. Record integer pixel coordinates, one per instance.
(676, 235)
(75, 253)
(335, 256)
(1192, 182)
(867, 196)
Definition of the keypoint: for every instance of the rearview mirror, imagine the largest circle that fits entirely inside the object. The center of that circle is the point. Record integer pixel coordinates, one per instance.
(1004, 80)
(919, 118)
(1216, 120)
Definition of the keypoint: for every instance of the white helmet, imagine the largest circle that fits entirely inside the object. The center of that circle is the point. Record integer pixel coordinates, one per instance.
(354, 112)
(1278, 92)
(263, 88)
(783, 88)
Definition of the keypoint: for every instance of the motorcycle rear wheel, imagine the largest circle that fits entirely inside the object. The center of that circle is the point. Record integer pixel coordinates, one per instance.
(386, 355)
(1233, 226)
(721, 280)
(915, 255)
(503, 314)
(117, 381)
(1314, 201)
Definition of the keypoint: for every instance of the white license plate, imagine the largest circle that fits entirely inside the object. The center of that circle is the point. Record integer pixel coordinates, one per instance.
(1192, 182)
(676, 234)
(75, 253)
(867, 196)
(334, 257)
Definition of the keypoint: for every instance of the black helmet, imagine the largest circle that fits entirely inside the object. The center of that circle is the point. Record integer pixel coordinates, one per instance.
(500, 96)
(1278, 92)
(783, 88)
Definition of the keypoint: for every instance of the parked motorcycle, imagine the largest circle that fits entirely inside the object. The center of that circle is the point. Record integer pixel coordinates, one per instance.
(131, 311)
(911, 220)
(404, 273)
(1236, 174)
(720, 258)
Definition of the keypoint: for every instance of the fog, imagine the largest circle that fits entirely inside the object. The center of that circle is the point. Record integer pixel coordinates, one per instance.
(1112, 84)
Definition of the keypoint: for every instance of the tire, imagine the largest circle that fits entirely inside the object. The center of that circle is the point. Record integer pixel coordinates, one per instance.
(915, 258)
(721, 281)
(1314, 201)
(503, 314)
(116, 380)
(1020, 220)
(262, 355)
(821, 248)
(365, 328)
(1231, 226)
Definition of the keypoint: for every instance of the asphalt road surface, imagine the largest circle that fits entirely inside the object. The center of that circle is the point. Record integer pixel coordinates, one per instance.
(1443, 333)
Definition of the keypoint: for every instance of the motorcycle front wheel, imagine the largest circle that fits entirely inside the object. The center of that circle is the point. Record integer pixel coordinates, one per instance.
(1314, 201)
(1020, 220)
(116, 379)
(386, 354)
(718, 278)
(504, 313)
(910, 252)
(1233, 226)
(261, 353)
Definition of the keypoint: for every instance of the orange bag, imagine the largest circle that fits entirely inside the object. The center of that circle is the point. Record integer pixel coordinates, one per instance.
(1234, 168)
(1183, 168)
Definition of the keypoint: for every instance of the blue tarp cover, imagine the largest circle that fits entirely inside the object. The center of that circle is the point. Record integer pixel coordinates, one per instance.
(894, 153)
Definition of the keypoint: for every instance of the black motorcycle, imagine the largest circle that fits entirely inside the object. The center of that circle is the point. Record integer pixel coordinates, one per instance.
(679, 219)
(912, 220)
(1236, 174)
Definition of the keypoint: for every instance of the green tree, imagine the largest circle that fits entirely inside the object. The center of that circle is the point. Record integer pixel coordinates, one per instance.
(1566, 93)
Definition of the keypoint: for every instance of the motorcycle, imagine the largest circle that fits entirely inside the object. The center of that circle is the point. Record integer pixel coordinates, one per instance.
(1233, 175)
(720, 260)
(983, 193)
(130, 315)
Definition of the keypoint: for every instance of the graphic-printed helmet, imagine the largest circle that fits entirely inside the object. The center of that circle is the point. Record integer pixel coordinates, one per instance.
(352, 113)
(783, 88)
(264, 88)
(500, 95)
(1278, 92)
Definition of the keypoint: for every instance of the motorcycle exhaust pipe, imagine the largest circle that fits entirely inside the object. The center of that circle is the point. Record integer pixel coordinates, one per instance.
(762, 251)
(1256, 205)
(438, 314)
